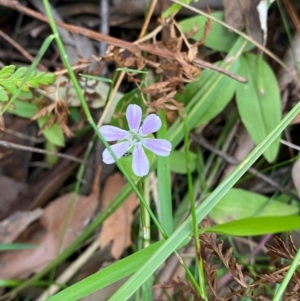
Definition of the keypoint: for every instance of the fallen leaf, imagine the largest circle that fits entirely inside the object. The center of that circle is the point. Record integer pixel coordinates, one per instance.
(240, 13)
(117, 228)
(14, 225)
(12, 189)
(296, 120)
(47, 234)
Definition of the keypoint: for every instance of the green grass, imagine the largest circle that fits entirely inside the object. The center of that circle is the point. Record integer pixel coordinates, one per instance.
(259, 108)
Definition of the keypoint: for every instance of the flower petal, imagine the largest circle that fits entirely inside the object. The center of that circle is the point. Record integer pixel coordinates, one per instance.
(134, 117)
(113, 133)
(151, 124)
(160, 147)
(140, 162)
(119, 150)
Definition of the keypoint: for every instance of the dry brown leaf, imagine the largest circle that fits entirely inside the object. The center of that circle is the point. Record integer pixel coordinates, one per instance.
(47, 234)
(296, 120)
(117, 228)
(244, 12)
(12, 189)
(290, 58)
(14, 225)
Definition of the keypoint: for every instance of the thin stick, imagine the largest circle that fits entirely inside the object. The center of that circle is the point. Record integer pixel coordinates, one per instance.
(8, 144)
(148, 18)
(23, 51)
(134, 48)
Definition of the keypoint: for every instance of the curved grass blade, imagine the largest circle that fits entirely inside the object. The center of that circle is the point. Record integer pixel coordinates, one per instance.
(257, 226)
(107, 276)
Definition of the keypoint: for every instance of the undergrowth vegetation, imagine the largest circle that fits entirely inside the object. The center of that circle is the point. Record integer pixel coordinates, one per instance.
(199, 139)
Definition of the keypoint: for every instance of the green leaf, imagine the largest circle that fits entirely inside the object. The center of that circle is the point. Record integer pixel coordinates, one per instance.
(133, 97)
(23, 109)
(50, 160)
(239, 203)
(178, 162)
(11, 79)
(259, 101)
(54, 134)
(219, 101)
(106, 276)
(257, 226)
(3, 94)
(219, 38)
(7, 71)
(174, 8)
(164, 183)
(201, 96)
(16, 246)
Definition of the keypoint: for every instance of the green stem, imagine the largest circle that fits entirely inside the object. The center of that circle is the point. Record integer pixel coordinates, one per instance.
(143, 212)
(288, 276)
(202, 290)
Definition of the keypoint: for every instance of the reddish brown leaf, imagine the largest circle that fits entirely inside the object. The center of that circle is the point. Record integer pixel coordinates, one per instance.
(117, 228)
(11, 227)
(47, 234)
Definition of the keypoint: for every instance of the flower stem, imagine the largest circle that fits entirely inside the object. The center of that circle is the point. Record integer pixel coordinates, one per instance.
(143, 211)
(193, 210)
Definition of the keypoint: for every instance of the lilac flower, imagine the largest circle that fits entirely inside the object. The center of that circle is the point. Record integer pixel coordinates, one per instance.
(135, 140)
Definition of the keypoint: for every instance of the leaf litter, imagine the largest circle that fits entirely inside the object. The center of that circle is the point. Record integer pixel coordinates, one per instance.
(47, 232)
(116, 229)
(166, 58)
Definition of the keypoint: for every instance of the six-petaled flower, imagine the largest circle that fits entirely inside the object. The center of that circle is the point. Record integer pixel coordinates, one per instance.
(135, 140)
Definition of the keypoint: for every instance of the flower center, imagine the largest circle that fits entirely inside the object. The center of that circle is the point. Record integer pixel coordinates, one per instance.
(136, 139)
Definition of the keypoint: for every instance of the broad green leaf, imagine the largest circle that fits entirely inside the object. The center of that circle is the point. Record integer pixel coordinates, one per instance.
(178, 162)
(257, 226)
(106, 276)
(220, 99)
(258, 101)
(54, 134)
(201, 96)
(23, 109)
(218, 38)
(239, 203)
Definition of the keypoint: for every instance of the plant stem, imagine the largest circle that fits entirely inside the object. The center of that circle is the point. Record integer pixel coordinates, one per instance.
(193, 210)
